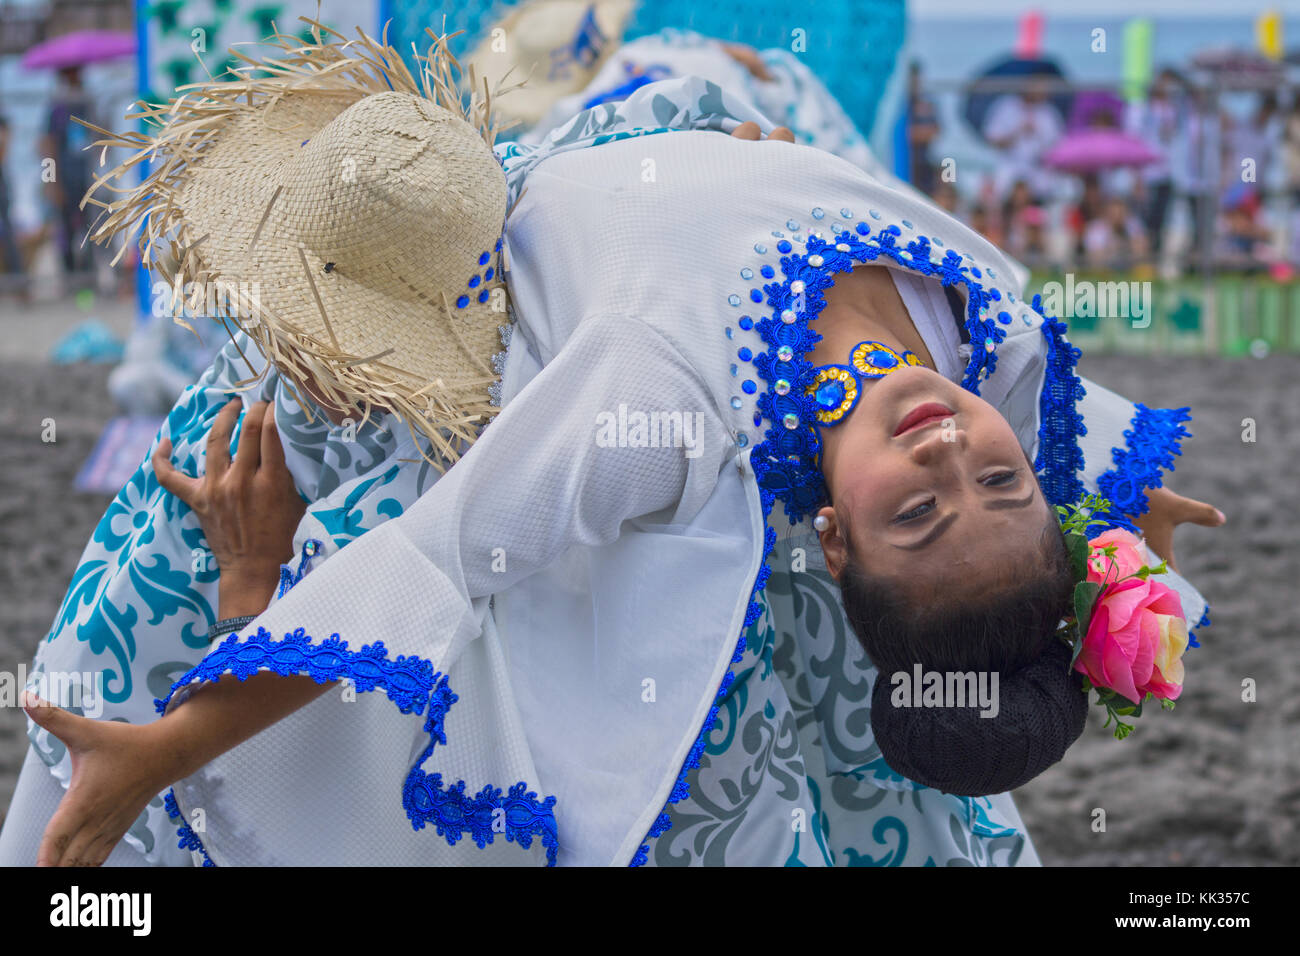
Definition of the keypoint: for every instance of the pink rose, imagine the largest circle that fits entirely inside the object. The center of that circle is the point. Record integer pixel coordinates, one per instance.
(1135, 640)
(1130, 554)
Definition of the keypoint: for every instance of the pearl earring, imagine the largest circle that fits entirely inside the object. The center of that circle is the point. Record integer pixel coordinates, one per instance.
(821, 522)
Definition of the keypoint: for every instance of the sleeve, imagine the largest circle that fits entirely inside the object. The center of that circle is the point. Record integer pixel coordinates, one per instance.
(557, 468)
(1126, 449)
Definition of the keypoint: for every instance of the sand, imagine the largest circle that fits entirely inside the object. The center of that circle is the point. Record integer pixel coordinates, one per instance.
(1215, 782)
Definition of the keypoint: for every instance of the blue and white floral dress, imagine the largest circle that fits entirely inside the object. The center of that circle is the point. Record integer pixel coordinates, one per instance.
(605, 636)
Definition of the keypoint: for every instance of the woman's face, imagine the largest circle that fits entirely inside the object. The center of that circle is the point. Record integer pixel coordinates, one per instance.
(928, 480)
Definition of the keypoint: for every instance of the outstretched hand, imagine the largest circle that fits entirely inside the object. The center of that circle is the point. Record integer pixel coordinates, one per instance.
(116, 771)
(1167, 511)
(249, 508)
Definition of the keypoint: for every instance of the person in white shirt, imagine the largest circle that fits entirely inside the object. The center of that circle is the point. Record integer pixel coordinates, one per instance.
(1023, 127)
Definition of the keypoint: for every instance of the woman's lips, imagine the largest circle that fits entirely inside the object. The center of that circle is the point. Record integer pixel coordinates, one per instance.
(922, 415)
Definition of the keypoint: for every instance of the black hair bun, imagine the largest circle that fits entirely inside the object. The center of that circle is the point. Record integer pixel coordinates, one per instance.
(1041, 712)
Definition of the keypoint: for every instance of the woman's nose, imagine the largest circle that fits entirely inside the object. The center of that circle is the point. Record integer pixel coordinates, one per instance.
(943, 440)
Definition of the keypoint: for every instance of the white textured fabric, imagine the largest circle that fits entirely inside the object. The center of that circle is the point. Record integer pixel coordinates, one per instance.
(932, 315)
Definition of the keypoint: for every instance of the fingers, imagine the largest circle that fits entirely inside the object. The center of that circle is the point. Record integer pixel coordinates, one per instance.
(272, 450)
(750, 131)
(178, 483)
(54, 719)
(248, 455)
(54, 843)
(1204, 514)
(218, 456)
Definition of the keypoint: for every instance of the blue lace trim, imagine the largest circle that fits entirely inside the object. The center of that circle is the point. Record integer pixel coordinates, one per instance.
(189, 840)
(1059, 459)
(792, 445)
(411, 684)
(1203, 622)
(1152, 445)
(786, 462)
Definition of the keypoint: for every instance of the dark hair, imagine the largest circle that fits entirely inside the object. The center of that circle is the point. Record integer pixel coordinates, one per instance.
(1002, 630)
(1008, 630)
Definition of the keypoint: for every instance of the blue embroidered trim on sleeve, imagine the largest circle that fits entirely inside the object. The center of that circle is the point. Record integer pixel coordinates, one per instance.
(1152, 445)
(411, 684)
(189, 840)
(1203, 622)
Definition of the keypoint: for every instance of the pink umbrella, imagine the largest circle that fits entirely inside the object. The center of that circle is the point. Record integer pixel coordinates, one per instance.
(75, 49)
(1090, 150)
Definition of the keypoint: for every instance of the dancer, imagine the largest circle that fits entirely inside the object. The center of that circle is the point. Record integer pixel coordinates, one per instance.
(351, 400)
(556, 620)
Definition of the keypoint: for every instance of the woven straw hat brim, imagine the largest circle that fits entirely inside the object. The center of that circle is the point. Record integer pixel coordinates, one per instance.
(381, 324)
(224, 204)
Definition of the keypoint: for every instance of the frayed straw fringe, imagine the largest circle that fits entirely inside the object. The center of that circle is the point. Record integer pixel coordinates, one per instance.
(332, 64)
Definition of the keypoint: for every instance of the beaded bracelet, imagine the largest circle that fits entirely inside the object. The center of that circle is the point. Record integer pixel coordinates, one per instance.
(228, 626)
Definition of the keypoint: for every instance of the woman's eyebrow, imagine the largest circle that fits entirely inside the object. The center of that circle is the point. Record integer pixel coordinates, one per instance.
(1004, 503)
(940, 527)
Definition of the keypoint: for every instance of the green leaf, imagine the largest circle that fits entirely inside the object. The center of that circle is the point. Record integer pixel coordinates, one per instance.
(1085, 596)
(1077, 546)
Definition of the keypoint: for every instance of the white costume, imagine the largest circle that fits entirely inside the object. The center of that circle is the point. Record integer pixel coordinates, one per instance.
(560, 613)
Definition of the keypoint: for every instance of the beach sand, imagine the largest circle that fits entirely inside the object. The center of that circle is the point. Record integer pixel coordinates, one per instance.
(1215, 782)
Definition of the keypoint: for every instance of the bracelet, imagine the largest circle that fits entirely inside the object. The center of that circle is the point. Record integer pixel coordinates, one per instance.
(228, 626)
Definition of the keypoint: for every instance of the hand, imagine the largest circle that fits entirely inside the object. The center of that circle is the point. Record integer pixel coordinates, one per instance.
(248, 508)
(751, 131)
(116, 771)
(1168, 511)
(750, 59)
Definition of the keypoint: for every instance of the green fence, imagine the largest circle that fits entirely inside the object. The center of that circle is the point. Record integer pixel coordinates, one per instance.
(1227, 315)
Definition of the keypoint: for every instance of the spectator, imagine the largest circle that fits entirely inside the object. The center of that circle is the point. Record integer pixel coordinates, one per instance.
(1155, 120)
(1114, 240)
(1023, 128)
(65, 141)
(1196, 169)
(1028, 237)
(922, 131)
(11, 260)
(1257, 139)
(1243, 240)
(1088, 208)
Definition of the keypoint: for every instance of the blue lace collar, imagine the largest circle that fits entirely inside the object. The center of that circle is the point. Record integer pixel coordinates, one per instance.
(785, 461)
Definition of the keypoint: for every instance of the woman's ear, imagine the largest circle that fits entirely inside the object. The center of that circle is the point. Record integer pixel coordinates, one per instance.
(835, 547)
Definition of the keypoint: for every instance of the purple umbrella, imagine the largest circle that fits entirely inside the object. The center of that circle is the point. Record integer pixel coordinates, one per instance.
(1090, 150)
(75, 49)
(1091, 105)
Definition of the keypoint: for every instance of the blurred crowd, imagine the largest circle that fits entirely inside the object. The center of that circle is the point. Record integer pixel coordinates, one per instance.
(66, 173)
(1173, 181)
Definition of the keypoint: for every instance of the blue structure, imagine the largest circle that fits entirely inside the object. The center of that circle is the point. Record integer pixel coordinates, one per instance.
(851, 45)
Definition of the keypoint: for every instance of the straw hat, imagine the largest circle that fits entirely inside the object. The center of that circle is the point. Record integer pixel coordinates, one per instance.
(554, 46)
(353, 217)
